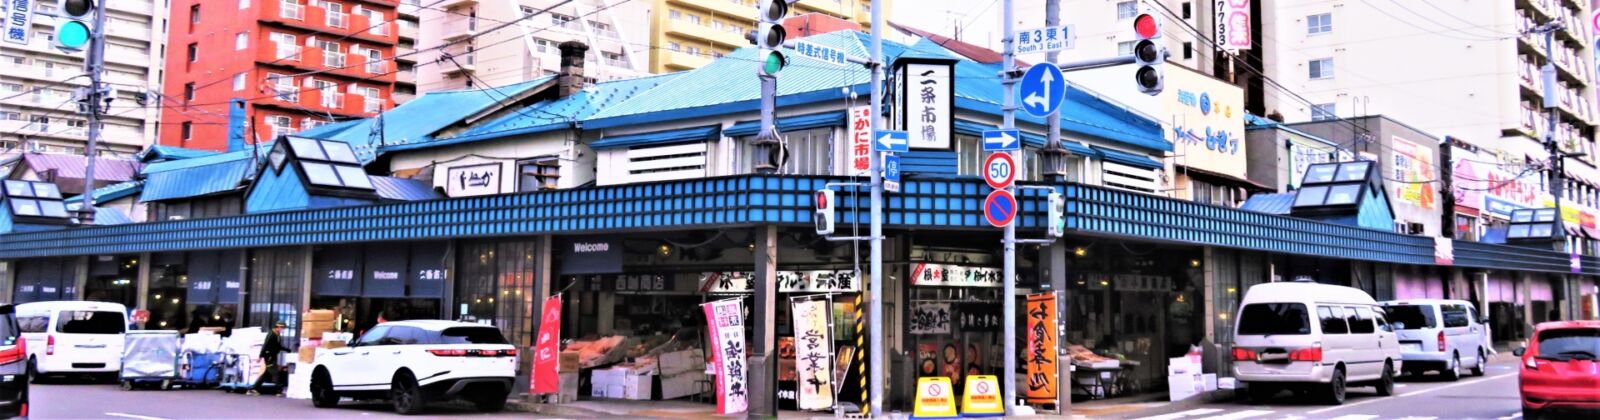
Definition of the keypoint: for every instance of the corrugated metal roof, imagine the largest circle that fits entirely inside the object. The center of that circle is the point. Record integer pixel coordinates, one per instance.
(72, 166)
(112, 192)
(159, 152)
(792, 122)
(200, 176)
(418, 119)
(327, 130)
(657, 137)
(551, 114)
(404, 189)
(1130, 159)
(1269, 203)
(105, 216)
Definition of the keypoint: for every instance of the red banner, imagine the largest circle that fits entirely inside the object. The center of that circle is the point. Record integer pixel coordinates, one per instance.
(547, 350)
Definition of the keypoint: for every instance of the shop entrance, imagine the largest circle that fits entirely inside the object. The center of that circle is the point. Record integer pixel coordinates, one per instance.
(113, 279)
(1130, 308)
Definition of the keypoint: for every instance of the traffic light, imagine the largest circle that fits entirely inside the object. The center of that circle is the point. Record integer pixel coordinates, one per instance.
(1148, 53)
(824, 216)
(75, 26)
(770, 35)
(1057, 215)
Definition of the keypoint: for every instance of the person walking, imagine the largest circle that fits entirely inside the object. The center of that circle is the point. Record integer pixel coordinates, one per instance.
(270, 351)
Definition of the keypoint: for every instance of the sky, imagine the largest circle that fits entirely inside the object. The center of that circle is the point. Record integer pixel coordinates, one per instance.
(980, 19)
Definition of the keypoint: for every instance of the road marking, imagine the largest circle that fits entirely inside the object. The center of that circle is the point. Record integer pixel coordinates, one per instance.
(1355, 417)
(1239, 415)
(1182, 414)
(135, 416)
(1516, 415)
(1480, 379)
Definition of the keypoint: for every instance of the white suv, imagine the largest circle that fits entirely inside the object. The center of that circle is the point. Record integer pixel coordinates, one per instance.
(411, 363)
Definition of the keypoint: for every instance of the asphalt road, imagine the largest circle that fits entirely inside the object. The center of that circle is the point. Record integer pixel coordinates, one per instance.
(98, 401)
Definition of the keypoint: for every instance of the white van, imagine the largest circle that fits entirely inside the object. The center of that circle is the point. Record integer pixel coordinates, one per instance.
(1442, 335)
(72, 337)
(1315, 338)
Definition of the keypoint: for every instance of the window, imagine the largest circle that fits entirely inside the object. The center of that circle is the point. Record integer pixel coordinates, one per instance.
(1274, 319)
(194, 16)
(1333, 320)
(1321, 68)
(1360, 319)
(241, 40)
(33, 324)
(1455, 316)
(91, 322)
(1325, 111)
(238, 81)
(1566, 344)
(244, 4)
(194, 52)
(286, 45)
(371, 100)
(376, 21)
(674, 46)
(329, 93)
(374, 61)
(336, 16)
(281, 125)
(695, 19)
(332, 54)
(283, 85)
(1411, 317)
(188, 130)
(1125, 48)
(1188, 50)
(188, 91)
(1127, 10)
(674, 15)
(1188, 10)
(1319, 23)
(290, 9)
(39, 122)
(374, 336)
(544, 45)
(538, 174)
(471, 335)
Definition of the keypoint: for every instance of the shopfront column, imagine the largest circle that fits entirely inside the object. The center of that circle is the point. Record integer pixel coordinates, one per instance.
(1056, 260)
(763, 314)
(143, 282)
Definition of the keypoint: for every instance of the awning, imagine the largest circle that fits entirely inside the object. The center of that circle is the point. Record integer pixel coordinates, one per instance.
(790, 123)
(427, 269)
(1130, 159)
(656, 138)
(1591, 232)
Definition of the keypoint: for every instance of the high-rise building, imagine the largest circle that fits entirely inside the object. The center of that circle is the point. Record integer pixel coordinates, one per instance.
(687, 34)
(38, 83)
(459, 48)
(295, 64)
(1105, 28)
(405, 54)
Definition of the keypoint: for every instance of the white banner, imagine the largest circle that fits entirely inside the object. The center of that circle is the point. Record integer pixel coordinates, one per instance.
(813, 352)
(858, 157)
(473, 180)
(1233, 24)
(726, 320)
(824, 281)
(954, 275)
(19, 21)
(926, 93)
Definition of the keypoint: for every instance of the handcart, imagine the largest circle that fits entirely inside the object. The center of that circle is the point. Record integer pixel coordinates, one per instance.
(149, 360)
(240, 371)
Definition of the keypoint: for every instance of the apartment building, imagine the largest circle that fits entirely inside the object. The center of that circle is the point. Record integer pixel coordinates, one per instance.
(291, 64)
(459, 49)
(405, 79)
(38, 83)
(1105, 27)
(687, 34)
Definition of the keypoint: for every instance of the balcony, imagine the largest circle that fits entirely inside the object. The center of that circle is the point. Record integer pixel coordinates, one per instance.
(337, 20)
(376, 67)
(127, 31)
(698, 34)
(133, 6)
(291, 11)
(446, 4)
(380, 31)
(741, 9)
(407, 32)
(459, 27)
(674, 60)
(331, 98)
(823, 7)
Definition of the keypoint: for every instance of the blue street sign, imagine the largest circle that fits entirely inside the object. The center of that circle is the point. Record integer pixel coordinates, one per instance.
(1001, 140)
(1042, 89)
(891, 173)
(891, 141)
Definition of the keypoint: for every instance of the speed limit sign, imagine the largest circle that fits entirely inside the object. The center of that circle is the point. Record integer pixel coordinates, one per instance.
(1000, 170)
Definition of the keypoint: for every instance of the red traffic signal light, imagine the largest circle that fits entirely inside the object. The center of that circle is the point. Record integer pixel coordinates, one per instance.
(1146, 26)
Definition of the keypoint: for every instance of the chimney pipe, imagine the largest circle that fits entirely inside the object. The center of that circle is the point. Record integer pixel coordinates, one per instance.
(571, 78)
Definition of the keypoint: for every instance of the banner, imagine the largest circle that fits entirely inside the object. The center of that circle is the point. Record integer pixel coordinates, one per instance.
(1041, 356)
(930, 318)
(925, 274)
(547, 350)
(1233, 24)
(813, 351)
(726, 320)
(859, 158)
(822, 281)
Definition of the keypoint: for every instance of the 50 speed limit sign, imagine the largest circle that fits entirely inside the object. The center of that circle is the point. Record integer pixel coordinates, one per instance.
(1000, 170)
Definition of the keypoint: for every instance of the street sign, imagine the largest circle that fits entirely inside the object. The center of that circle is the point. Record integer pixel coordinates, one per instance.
(998, 140)
(891, 173)
(1042, 89)
(19, 21)
(1000, 208)
(1000, 170)
(1046, 39)
(891, 141)
(821, 53)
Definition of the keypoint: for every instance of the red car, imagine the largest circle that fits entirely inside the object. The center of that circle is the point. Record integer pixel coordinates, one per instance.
(1561, 369)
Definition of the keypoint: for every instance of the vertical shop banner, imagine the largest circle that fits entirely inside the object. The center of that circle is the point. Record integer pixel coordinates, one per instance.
(1041, 357)
(229, 276)
(384, 271)
(813, 351)
(1233, 24)
(858, 158)
(547, 350)
(201, 288)
(726, 320)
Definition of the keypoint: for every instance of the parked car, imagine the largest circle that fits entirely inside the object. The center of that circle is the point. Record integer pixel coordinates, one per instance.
(1561, 369)
(412, 363)
(13, 365)
(73, 337)
(1439, 335)
(1312, 338)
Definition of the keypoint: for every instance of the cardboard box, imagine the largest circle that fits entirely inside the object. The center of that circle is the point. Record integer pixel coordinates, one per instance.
(308, 355)
(315, 328)
(569, 387)
(637, 387)
(318, 315)
(681, 385)
(677, 362)
(569, 361)
(333, 344)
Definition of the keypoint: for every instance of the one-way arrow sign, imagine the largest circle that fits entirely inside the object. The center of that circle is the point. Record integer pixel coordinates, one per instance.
(1001, 140)
(891, 141)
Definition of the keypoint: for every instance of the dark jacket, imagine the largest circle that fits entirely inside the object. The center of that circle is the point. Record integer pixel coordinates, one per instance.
(273, 346)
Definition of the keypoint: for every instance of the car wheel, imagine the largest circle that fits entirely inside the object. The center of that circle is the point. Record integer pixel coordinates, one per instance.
(1453, 372)
(1260, 393)
(1385, 383)
(127, 385)
(1530, 413)
(322, 394)
(1336, 387)
(33, 372)
(1478, 368)
(406, 394)
(491, 402)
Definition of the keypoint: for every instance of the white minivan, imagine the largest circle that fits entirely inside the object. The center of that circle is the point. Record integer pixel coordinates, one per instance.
(1440, 335)
(73, 337)
(1312, 338)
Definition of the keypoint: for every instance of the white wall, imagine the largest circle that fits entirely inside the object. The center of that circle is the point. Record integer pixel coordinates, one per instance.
(577, 161)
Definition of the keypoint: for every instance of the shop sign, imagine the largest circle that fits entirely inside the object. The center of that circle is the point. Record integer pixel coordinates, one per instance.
(473, 180)
(859, 155)
(202, 271)
(925, 99)
(1304, 152)
(334, 271)
(1041, 356)
(972, 317)
(1203, 127)
(546, 351)
(19, 21)
(930, 318)
(1413, 166)
(726, 322)
(1233, 24)
(819, 281)
(1468, 186)
(1500, 207)
(813, 351)
(925, 274)
(427, 270)
(640, 283)
(591, 255)
(1444, 251)
(383, 271)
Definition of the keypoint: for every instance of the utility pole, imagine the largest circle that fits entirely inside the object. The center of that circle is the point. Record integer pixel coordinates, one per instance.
(875, 334)
(1053, 166)
(1557, 157)
(1008, 277)
(95, 64)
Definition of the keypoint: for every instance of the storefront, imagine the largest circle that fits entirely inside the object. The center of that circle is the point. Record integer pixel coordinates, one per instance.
(276, 289)
(193, 290)
(46, 279)
(1417, 282)
(1137, 304)
(954, 317)
(366, 283)
(113, 278)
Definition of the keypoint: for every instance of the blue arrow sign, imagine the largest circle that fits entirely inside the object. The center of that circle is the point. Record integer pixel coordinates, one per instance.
(1042, 89)
(1001, 140)
(891, 141)
(891, 173)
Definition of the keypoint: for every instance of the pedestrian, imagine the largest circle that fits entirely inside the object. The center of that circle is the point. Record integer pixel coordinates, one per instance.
(270, 351)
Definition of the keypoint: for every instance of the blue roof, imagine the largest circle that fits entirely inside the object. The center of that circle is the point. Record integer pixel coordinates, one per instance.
(794, 122)
(200, 176)
(403, 189)
(328, 130)
(547, 115)
(657, 137)
(112, 192)
(160, 153)
(1130, 159)
(105, 216)
(1269, 203)
(419, 119)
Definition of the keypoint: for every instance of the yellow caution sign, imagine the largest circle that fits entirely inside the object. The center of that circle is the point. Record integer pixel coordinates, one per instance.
(982, 398)
(936, 398)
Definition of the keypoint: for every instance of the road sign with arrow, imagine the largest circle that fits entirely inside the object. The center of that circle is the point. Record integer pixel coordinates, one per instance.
(891, 141)
(1001, 140)
(1042, 89)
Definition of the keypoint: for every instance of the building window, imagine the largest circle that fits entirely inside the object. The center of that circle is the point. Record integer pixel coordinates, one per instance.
(332, 54)
(695, 19)
(544, 45)
(1219, 195)
(286, 45)
(1319, 23)
(188, 91)
(374, 61)
(330, 94)
(284, 87)
(1125, 48)
(1188, 50)
(194, 52)
(1188, 10)
(244, 4)
(238, 81)
(336, 16)
(371, 100)
(1321, 68)
(290, 9)
(538, 174)
(281, 125)
(1321, 112)
(194, 16)
(674, 15)
(564, 21)
(241, 40)
(674, 46)
(188, 130)
(1127, 9)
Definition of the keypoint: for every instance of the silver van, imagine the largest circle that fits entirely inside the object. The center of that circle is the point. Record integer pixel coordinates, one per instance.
(1446, 336)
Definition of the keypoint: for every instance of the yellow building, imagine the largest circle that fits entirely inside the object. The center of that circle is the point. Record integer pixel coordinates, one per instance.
(687, 34)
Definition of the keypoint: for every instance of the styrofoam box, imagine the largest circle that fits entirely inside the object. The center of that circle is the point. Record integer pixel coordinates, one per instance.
(681, 385)
(1209, 380)
(1227, 383)
(637, 387)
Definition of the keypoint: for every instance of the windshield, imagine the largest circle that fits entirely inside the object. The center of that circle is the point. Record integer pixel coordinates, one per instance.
(91, 322)
(1274, 319)
(471, 335)
(1569, 344)
(1413, 316)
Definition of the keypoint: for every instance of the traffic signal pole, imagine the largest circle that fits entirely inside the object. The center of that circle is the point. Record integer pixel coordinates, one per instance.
(1008, 279)
(94, 64)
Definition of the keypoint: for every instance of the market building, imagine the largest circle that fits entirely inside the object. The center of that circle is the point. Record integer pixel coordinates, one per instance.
(638, 200)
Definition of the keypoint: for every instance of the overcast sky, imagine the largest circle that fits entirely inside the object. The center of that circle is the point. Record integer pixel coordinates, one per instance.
(980, 18)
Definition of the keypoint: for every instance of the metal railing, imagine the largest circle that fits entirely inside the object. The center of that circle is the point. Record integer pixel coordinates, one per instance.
(331, 97)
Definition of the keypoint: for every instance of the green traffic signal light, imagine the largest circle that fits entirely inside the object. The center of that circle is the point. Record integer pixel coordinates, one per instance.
(72, 34)
(773, 63)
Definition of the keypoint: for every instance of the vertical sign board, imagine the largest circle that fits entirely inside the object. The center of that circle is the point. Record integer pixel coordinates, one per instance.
(546, 350)
(230, 279)
(201, 289)
(1041, 357)
(859, 158)
(891, 173)
(427, 270)
(726, 321)
(333, 271)
(1233, 24)
(384, 271)
(814, 351)
(19, 21)
(926, 93)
